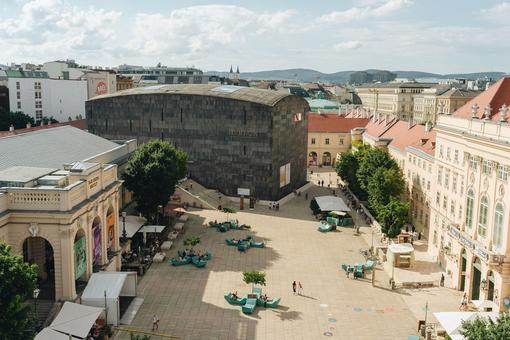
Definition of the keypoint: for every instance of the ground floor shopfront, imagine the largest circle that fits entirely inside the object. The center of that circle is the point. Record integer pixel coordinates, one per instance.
(471, 268)
(67, 246)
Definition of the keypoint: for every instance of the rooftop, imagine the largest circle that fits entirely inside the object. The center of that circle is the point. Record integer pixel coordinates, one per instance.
(249, 94)
(377, 126)
(399, 85)
(454, 92)
(51, 148)
(491, 100)
(79, 123)
(23, 174)
(333, 123)
(403, 135)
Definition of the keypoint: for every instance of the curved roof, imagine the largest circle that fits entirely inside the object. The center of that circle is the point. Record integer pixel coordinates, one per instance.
(249, 94)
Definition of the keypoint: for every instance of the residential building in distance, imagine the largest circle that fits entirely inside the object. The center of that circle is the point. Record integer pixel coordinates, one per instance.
(38, 96)
(146, 76)
(363, 77)
(4, 99)
(426, 104)
(124, 83)
(453, 99)
(236, 137)
(470, 222)
(394, 99)
(329, 135)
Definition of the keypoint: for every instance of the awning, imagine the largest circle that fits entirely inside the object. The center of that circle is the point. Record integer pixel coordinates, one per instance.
(401, 248)
(452, 321)
(133, 224)
(152, 228)
(482, 304)
(49, 334)
(99, 283)
(76, 319)
(331, 203)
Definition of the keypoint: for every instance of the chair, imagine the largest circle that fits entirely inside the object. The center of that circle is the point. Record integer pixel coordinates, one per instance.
(230, 242)
(273, 303)
(242, 246)
(257, 244)
(249, 306)
(323, 228)
(198, 263)
(234, 301)
(177, 262)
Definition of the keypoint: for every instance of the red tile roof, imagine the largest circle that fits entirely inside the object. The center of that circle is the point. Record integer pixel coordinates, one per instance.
(80, 124)
(495, 96)
(402, 136)
(333, 123)
(375, 128)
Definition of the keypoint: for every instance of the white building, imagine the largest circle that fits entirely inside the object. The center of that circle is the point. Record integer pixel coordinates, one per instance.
(33, 93)
(146, 76)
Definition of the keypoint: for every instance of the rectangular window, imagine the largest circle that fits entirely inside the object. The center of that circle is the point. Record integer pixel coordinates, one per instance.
(447, 179)
(17, 85)
(445, 202)
(38, 114)
(313, 141)
(245, 121)
(460, 212)
(441, 151)
(430, 168)
(19, 105)
(448, 153)
(456, 156)
(162, 115)
(438, 198)
(503, 172)
(150, 125)
(130, 125)
(18, 95)
(326, 141)
(244, 150)
(440, 175)
(486, 167)
(428, 185)
(452, 207)
(454, 182)
(341, 141)
(473, 163)
(106, 124)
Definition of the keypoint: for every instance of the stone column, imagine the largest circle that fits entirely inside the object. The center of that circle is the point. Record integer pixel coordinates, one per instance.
(67, 265)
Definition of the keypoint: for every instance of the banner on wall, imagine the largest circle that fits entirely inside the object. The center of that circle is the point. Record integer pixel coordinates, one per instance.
(80, 258)
(110, 223)
(284, 175)
(96, 232)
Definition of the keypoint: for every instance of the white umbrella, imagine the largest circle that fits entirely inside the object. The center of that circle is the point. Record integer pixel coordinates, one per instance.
(452, 321)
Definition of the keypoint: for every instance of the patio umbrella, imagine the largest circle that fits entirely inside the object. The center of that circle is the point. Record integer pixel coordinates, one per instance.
(180, 210)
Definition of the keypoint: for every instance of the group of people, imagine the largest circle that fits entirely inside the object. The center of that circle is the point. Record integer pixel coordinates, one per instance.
(274, 205)
(297, 288)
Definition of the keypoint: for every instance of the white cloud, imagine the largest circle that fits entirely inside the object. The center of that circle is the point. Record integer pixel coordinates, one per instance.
(348, 45)
(374, 9)
(499, 13)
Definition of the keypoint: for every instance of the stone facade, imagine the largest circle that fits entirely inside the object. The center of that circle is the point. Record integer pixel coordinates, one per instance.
(231, 143)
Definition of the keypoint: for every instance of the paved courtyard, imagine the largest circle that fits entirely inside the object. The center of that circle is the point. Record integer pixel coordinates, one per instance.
(190, 302)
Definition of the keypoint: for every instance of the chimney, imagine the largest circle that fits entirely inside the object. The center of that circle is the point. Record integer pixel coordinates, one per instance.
(29, 125)
(11, 128)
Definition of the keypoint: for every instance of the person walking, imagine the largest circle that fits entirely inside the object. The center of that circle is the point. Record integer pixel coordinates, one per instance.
(155, 323)
(306, 196)
(463, 302)
(300, 288)
(441, 282)
(294, 287)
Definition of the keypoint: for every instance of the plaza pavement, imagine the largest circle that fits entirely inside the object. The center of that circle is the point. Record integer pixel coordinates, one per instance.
(190, 304)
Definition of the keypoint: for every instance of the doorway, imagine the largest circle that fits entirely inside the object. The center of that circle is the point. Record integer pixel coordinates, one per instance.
(38, 250)
(477, 275)
(463, 266)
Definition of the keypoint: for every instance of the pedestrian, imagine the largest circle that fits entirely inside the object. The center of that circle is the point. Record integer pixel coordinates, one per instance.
(278, 206)
(294, 287)
(419, 235)
(413, 229)
(155, 322)
(463, 302)
(329, 185)
(306, 196)
(441, 282)
(270, 205)
(300, 291)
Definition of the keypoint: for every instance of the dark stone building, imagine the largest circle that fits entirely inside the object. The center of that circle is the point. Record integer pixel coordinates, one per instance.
(235, 137)
(4, 99)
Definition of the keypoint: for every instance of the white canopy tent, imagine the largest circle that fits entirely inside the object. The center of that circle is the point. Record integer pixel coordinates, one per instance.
(49, 334)
(152, 229)
(114, 285)
(331, 203)
(482, 304)
(452, 321)
(133, 224)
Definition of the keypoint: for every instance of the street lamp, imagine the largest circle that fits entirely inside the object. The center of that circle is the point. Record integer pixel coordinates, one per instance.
(36, 295)
(157, 214)
(124, 234)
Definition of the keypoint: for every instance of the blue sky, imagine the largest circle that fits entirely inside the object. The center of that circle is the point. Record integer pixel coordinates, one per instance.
(327, 35)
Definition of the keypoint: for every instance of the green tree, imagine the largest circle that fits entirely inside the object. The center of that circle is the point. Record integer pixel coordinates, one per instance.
(393, 216)
(17, 119)
(372, 160)
(486, 329)
(17, 282)
(383, 185)
(152, 173)
(347, 168)
(46, 120)
(255, 278)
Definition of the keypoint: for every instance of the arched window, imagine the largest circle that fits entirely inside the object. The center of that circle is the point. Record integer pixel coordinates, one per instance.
(469, 208)
(483, 216)
(497, 233)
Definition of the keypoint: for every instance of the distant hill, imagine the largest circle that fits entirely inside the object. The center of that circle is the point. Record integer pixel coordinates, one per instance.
(307, 75)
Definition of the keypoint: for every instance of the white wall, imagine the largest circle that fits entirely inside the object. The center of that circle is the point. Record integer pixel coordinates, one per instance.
(60, 98)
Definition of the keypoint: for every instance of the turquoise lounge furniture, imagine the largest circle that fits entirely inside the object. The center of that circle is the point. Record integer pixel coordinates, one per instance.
(224, 227)
(257, 244)
(207, 256)
(198, 262)
(243, 245)
(369, 265)
(324, 227)
(273, 303)
(233, 301)
(249, 306)
(178, 262)
(332, 220)
(256, 290)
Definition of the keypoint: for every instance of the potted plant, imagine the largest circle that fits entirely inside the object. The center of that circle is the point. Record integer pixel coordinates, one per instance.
(254, 278)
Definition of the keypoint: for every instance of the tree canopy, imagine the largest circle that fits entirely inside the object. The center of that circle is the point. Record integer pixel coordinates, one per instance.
(374, 159)
(17, 283)
(486, 329)
(17, 119)
(393, 216)
(152, 173)
(254, 277)
(383, 185)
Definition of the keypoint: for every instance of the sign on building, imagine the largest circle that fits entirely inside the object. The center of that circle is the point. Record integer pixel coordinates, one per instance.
(284, 175)
(80, 258)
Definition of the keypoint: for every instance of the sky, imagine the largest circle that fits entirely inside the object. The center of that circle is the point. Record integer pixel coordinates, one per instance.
(326, 35)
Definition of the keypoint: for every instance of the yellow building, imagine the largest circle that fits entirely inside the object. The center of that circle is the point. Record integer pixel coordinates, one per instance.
(328, 136)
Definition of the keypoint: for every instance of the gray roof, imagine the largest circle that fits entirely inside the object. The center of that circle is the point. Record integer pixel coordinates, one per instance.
(23, 174)
(331, 203)
(398, 85)
(51, 148)
(250, 94)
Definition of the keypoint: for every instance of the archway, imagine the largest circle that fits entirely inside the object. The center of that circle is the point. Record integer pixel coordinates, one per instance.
(312, 158)
(80, 260)
(38, 250)
(477, 275)
(490, 290)
(326, 159)
(96, 242)
(463, 267)
(112, 236)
